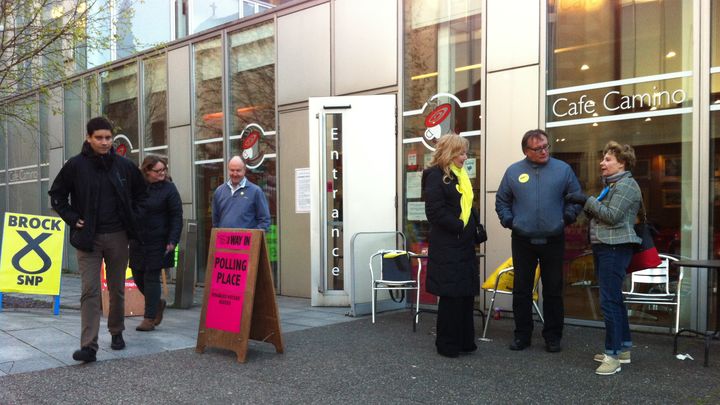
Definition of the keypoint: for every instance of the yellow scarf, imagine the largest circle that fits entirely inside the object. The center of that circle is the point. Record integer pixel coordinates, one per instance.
(465, 188)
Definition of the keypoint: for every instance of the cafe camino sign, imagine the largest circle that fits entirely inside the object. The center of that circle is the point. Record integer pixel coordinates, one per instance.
(613, 102)
(602, 102)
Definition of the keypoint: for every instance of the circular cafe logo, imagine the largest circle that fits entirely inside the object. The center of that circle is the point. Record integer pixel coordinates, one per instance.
(250, 145)
(436, 124)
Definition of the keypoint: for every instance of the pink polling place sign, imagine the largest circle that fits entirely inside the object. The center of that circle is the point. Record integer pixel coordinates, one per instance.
(239, 302)
(227, 291)
(233, 240)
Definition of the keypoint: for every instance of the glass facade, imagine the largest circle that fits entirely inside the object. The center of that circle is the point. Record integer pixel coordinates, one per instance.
(441, 93)
(622, 70)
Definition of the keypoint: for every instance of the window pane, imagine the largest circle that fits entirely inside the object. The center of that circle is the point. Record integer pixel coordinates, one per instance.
(155, 100)
(715, 156)
(614, 50)
(146, 25)
(442, 88)
(208, 177)
(208, 91)
(252, 113)
(120, 106)
(73, 119)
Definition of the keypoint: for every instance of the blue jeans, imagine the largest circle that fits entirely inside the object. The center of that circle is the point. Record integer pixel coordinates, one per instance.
(610, 264)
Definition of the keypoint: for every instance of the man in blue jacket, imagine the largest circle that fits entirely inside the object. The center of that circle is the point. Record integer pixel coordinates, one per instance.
(238, 203)
(530, 201)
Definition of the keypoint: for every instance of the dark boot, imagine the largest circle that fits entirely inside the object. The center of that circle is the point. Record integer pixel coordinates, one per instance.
(146, 325)
(161, 307)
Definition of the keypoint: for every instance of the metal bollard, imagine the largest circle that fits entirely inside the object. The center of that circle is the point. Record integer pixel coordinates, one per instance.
(186, 266)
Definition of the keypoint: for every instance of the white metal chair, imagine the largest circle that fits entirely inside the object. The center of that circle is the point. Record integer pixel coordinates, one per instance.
(395, 274)
(506, 272)
(652, 287)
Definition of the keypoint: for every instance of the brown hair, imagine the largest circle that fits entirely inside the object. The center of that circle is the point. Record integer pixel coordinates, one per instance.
(533, 133)
(150, 161)
(625, 154)
(448, 146)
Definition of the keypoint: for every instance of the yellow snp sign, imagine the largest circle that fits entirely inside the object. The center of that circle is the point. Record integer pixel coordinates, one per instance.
(32, 251)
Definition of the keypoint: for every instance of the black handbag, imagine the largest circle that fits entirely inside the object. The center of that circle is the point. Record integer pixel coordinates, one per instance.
(480, 233)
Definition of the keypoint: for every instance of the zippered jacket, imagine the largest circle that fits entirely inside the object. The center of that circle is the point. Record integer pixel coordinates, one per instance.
(531, 198)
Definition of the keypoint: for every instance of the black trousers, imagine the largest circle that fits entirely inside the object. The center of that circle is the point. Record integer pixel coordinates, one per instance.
(526, 256)
(455, 325)
(148, 282)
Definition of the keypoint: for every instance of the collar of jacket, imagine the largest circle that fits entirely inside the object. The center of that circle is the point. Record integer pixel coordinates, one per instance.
(101, 161)
(615, 178)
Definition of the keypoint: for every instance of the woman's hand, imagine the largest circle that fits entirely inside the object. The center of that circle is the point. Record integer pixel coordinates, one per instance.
(576, 198)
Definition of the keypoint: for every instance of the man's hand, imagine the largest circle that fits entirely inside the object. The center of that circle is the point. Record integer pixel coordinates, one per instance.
(576, 198)
(507, 222)
(79, 224)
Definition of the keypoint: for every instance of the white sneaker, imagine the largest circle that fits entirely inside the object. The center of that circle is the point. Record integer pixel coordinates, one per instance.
(623, 357)
(609, 366)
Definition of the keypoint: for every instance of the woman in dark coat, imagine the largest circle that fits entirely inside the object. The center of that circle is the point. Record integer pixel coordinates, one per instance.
(452, 264)
(160, 225)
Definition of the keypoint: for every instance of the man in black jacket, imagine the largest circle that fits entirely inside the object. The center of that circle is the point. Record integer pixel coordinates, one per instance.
(98, 193)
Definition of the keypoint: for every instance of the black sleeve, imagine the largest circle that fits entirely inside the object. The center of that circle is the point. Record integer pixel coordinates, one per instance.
(60, 192)
(435, 209)
(175, 214)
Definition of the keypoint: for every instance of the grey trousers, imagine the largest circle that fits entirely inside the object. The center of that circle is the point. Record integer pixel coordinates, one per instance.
(113, 248)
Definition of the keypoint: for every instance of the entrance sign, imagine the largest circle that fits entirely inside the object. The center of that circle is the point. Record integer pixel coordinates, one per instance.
(32, 251)
(239, 297)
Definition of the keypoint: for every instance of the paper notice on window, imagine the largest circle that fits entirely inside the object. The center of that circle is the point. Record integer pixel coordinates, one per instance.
(471, 167)
(416, 211)
(302, 190)
(413, 185)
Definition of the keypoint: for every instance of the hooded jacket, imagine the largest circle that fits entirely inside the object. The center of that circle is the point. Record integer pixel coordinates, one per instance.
(75, 193)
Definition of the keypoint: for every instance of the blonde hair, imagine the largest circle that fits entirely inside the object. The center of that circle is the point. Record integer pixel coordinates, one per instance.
(448, 147)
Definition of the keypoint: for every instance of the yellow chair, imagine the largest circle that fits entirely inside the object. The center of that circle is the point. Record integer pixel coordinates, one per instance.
(501, 281)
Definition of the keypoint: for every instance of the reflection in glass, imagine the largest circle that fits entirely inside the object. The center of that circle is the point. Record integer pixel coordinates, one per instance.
(628, 41)
(208, 90)
(155, 100)
(442, 55)
(73, 118)
(120, 105)
(334, 235)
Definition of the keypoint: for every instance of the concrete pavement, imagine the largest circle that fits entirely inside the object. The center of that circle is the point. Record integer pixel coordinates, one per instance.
(331, 358)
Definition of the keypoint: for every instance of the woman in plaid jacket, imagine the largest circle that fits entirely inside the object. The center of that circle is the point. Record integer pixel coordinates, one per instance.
(612, 236)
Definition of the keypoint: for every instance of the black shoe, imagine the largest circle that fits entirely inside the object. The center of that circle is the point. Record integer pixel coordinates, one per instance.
(448, 354)
(468, 349)
(552, 346)
(518, 344)
(117, 342)
(85, 354)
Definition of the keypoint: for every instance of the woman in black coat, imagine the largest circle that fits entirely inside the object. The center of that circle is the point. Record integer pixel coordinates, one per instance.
(452, 264)
(160, 226)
